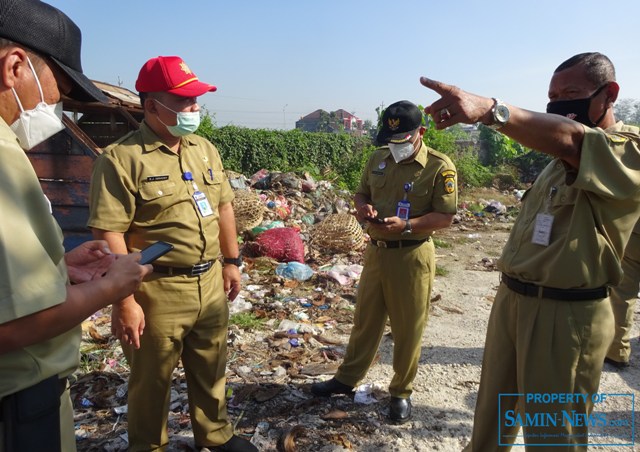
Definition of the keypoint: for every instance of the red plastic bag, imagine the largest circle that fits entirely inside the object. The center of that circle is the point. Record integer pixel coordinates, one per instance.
(281, 244)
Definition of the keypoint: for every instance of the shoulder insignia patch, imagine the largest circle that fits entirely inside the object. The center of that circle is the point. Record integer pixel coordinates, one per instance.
(449, 180)
(617, 138)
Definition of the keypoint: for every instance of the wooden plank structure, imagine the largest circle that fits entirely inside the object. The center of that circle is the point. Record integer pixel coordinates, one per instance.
(64, 162)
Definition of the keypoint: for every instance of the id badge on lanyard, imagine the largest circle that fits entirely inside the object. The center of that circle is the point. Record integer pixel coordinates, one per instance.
(404, 207)
(544, 223)
(202, 203)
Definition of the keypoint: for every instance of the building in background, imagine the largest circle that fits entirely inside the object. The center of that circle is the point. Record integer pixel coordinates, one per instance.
(334, 122)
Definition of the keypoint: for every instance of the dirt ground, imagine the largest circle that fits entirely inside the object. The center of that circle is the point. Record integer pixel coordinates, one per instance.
(268, 378)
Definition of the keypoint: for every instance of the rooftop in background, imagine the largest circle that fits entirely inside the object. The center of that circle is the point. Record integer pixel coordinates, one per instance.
(333, 122)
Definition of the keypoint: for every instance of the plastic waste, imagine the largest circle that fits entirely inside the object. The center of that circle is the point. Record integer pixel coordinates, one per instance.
(239, 305)
(300, 328)
(343, 274)
(364, 394)
(294, 270)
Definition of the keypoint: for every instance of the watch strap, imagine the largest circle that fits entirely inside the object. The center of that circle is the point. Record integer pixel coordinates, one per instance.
(237, 261)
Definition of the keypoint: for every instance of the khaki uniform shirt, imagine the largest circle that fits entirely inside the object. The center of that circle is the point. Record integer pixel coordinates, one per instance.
(33, 275)
(434, 186)
(138, 187)
(593, 215)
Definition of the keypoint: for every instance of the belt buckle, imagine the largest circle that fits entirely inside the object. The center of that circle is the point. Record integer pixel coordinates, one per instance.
(200, 268)
(381, 244)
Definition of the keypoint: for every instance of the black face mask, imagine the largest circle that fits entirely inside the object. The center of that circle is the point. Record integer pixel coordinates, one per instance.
(577, 109)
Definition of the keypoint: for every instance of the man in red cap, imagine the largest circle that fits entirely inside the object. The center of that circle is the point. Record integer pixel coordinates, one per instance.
(40, 312)
(163, 182)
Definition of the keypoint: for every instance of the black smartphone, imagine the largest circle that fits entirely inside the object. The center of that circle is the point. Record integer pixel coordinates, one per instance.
(375, 220)
(154, 251)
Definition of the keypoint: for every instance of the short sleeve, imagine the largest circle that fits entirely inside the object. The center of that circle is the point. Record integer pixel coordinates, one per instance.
(609, 164)
(111, 196)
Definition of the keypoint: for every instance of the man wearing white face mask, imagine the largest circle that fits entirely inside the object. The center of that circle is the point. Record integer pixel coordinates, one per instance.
(35, 126)
(162, 182)
(40, 312)
(407, 192)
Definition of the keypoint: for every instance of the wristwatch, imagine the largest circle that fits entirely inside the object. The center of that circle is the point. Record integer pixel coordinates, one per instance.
(500, 113)
(237, 261)
(407, 228)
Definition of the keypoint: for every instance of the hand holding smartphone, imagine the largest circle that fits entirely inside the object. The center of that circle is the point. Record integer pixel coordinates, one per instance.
(154, 251)
(377, 220)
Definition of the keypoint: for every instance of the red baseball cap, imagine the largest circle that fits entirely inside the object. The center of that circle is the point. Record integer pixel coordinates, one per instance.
(172, 75)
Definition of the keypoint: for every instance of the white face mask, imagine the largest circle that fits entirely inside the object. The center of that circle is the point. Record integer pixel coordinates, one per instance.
(35, 126)
(401, 151)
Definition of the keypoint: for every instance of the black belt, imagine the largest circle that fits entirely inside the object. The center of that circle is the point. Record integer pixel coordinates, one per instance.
(533, 290)
(196, 270)
(398, 243)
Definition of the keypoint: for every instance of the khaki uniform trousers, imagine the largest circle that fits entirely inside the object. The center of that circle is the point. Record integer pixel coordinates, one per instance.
(186, 318)
(623, 301)
(395, 284)
(540, 346)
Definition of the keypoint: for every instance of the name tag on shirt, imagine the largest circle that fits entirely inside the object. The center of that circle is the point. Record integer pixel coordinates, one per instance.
(542, 229)
(402, 210)
(203, 204)
(157, 178)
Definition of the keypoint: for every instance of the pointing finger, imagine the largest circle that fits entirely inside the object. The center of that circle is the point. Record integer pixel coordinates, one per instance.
(438, 87)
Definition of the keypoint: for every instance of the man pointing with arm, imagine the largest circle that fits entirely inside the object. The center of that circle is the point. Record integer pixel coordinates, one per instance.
(551, 322)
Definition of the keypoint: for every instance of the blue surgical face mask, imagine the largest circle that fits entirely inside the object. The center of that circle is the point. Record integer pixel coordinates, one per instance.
(187, 121)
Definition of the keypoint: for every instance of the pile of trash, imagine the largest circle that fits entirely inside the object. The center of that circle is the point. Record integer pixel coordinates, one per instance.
(302, 250)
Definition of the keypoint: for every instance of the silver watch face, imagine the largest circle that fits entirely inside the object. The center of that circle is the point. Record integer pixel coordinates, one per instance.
(501, 114)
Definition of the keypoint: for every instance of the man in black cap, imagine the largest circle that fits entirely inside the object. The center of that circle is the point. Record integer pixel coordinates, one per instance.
(40, 312)
(407, 192)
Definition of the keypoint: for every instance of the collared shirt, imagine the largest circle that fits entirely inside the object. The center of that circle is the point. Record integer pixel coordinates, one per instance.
(432, 177)
(33, 274)
(592, 217)
(142, 188)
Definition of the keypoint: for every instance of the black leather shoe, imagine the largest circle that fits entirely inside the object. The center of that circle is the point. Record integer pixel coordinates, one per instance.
(235, 444)
(399, 410)
(329, 387)
(617, 364)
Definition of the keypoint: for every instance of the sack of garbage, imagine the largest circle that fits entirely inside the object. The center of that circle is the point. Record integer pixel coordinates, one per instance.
(281, 244)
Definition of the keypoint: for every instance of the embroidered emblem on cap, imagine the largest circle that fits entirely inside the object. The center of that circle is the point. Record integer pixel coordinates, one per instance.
(185, 68)
(449, 180)
(394, 123)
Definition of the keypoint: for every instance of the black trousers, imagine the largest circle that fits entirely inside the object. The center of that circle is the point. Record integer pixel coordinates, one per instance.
(31, 417)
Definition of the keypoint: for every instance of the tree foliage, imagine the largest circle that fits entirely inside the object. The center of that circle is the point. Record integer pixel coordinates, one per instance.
(498, 149)
(628, 111)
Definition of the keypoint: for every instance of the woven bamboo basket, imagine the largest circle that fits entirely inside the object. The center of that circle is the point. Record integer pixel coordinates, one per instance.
(248, 209)
(339, 232)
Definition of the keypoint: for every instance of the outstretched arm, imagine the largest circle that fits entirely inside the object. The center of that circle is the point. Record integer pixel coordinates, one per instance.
(551, 134)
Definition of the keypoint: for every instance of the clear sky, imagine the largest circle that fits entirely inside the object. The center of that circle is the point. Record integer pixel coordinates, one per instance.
(278, 60)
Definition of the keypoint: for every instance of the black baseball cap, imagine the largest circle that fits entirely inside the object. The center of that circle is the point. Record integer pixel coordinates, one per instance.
(49, 32)
(400, 117)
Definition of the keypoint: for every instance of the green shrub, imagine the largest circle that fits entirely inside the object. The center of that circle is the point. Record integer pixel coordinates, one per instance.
(340, 157)
(249, 150)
